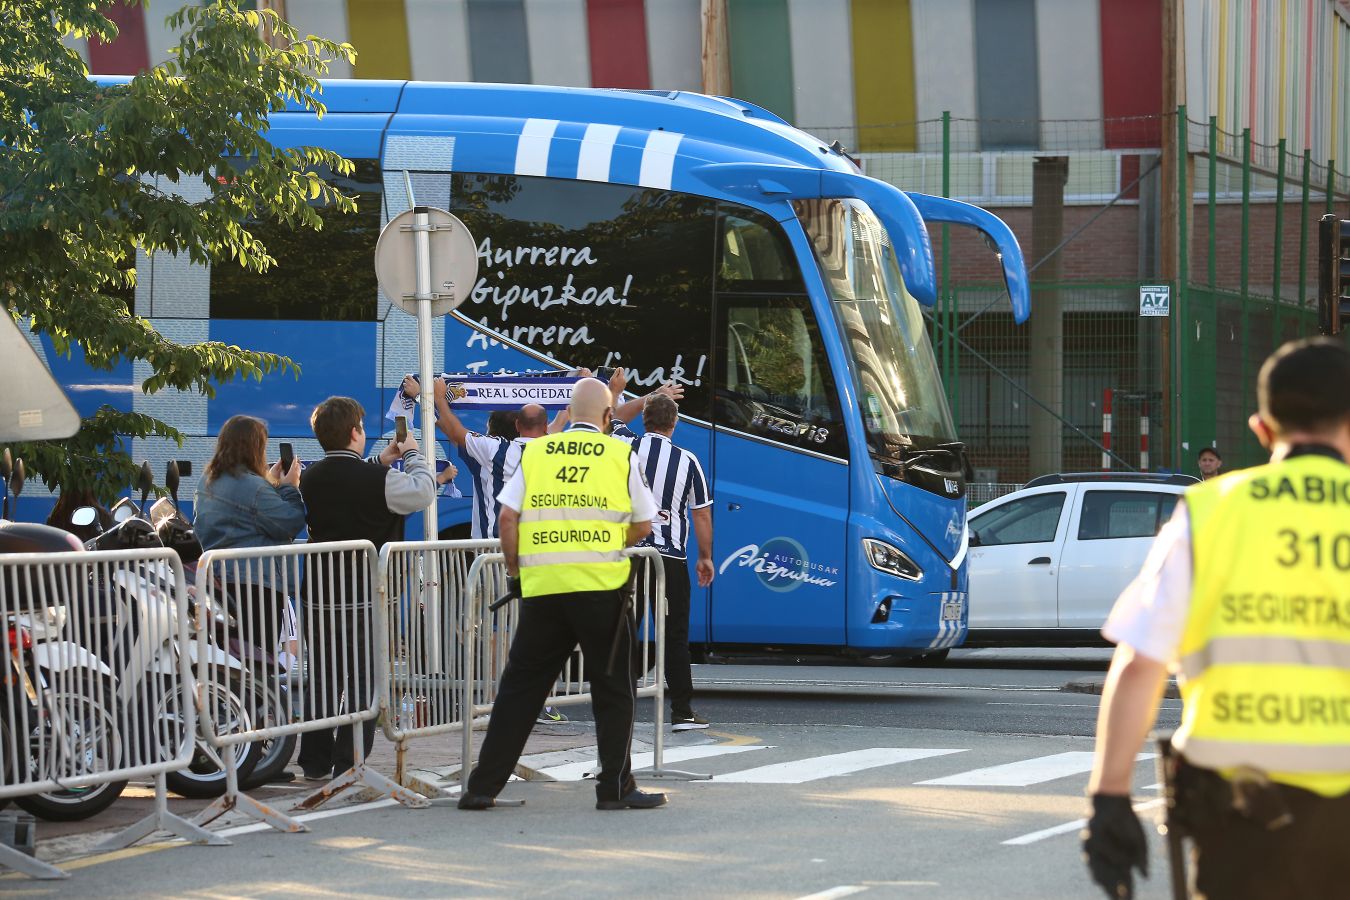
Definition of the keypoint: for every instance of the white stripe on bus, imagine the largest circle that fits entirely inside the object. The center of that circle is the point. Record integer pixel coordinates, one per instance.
(532, 151)
(658, 159)
(596, 148)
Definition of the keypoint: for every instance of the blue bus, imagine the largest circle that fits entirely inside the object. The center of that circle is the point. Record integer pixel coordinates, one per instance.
(685, 237)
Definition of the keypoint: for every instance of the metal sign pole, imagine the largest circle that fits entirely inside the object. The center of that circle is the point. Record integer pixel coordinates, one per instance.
(425, 355)
(421, 277)
(431, 594)
(426, 360)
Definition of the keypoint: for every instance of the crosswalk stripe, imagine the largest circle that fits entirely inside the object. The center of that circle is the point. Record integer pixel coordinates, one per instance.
(836, 893)
(817, 767)
(1026, 772)
(1075, 825)
(576, 771)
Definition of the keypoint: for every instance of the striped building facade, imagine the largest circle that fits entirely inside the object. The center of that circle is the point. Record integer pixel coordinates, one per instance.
(868, 69)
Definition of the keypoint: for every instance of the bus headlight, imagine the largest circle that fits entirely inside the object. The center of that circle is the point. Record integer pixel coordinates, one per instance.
(891, 560)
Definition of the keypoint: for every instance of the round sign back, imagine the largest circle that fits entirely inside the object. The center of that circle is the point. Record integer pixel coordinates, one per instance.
(453, 257)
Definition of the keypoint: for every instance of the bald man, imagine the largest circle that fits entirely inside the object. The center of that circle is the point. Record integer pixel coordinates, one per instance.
(577, 500)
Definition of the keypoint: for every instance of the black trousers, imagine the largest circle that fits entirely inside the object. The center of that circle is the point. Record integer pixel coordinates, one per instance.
(679, 677)
(1235, 858)
(550, 627)
(340, 669)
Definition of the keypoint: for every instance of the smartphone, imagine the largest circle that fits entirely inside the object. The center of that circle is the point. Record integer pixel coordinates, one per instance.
(400, 429)
(287, 457)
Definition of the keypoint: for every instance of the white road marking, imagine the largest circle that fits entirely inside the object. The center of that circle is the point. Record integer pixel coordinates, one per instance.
(1075, 825)
(1087, 705)
(577, 770)
(817, 767)
(1025, 772)
(843, 890)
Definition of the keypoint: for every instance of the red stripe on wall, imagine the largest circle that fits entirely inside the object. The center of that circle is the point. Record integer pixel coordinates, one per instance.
(618, 35)
(1131, 70)
(129, 53)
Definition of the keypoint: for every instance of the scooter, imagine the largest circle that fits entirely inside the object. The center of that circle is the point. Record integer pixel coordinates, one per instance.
(269, 707)
(54, 692)
(137, 623)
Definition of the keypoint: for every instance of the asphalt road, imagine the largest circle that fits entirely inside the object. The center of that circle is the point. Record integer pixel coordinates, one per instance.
(830, 781)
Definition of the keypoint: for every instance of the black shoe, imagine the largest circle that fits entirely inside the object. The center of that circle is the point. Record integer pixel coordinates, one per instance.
(690, 722)
(634, 799)
(282, 777)
(476, 801)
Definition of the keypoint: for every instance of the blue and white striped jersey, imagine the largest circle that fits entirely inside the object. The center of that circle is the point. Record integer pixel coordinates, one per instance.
(677, 483)
(491, 462)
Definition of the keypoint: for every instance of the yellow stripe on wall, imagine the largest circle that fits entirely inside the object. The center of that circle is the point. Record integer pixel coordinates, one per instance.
(379, 32)
(883, 74)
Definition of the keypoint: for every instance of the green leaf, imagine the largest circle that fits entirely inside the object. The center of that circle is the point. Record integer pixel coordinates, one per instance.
(99, 167)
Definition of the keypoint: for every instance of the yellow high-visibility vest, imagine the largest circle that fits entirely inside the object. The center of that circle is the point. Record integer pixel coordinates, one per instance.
(574, 520)
(1265, 656)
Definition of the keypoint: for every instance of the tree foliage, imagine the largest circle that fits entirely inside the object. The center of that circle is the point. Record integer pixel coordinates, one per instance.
(89, 174)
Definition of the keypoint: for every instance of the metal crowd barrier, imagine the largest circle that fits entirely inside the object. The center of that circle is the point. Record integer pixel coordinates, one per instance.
(489, 633)
(258, 683)
(424, 585)
(114, 661)
(96, 689)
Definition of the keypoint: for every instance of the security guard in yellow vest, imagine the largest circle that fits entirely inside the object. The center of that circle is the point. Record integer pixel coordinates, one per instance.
(577, 500)
(1246, 595)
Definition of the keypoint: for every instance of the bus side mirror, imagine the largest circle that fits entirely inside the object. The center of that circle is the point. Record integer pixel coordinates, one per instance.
(1009, 252)
(16, 479)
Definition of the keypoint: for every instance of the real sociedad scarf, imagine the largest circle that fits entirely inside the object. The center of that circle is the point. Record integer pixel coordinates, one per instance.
(490, 392)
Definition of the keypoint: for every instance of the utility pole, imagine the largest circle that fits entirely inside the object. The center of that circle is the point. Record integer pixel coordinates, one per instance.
(1046, 449)
(279, 7)
(1169, 219)
(716, 51)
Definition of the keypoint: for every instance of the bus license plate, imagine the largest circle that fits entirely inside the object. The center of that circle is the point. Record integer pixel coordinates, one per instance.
(951, 610)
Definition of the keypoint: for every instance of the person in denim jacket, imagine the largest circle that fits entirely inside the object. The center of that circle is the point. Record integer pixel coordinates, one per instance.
(241, 502)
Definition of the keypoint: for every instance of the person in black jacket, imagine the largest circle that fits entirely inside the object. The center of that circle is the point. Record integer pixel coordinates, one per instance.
(349, 498)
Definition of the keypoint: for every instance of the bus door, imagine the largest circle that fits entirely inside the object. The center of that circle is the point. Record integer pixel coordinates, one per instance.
(780, 477)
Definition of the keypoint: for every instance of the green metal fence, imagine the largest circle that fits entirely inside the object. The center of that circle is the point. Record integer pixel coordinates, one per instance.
(1088, 207)
(1250, 272)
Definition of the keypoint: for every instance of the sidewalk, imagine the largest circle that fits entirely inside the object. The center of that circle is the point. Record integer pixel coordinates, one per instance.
(427, 761)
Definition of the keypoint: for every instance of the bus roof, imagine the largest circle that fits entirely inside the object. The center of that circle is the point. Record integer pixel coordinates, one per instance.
(647, 138)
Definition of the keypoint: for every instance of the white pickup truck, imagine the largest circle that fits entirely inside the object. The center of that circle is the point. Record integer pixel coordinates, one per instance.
(1048, 561)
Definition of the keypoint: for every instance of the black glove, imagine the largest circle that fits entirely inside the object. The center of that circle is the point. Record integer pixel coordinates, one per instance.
(1113, 844)
(512, 593)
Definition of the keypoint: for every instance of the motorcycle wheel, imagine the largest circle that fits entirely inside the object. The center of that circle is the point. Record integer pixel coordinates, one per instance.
(91, 729)
(276, 752)
(204, 776)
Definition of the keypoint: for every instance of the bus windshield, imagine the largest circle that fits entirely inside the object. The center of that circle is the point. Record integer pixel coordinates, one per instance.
(894, 370)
